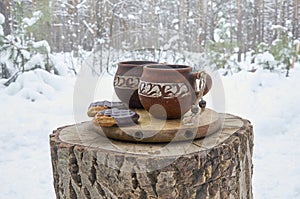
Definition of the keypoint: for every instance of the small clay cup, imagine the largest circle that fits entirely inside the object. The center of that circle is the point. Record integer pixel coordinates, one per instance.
(169, 91)
(126, 82)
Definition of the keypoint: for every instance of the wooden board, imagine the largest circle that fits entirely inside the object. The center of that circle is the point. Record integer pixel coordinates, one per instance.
(150, 129)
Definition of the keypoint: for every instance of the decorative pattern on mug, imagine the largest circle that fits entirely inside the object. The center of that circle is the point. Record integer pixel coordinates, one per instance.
(164, 90)
(126, 82)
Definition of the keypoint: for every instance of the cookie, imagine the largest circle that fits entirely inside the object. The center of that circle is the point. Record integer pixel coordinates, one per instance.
(116, 117)
(95, 107)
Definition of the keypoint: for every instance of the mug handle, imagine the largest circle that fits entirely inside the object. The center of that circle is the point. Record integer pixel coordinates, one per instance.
(205, 83)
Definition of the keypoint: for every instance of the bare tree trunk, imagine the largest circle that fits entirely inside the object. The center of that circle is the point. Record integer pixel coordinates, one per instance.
(257, 22)
(5, 10)
(239, 30)
(275, 21)
(92, 18)
(4, 71)
(212, 21)
(281, 13)
(75, 40)
(284, 13)
(262, 20)
(296, 19)
(276, 12)
(297, 53)
(203, 21)
(231, 25)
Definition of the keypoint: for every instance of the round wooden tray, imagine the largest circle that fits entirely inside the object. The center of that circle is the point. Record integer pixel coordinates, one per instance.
(150, 129)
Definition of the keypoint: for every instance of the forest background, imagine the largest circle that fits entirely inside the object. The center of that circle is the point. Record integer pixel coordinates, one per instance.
(224, 32)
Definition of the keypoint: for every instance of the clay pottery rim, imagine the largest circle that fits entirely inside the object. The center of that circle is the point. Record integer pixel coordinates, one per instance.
(135, 63)
(168, 67)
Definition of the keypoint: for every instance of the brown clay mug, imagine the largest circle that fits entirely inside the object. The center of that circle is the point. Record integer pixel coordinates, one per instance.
(126, 81)
(169, 91)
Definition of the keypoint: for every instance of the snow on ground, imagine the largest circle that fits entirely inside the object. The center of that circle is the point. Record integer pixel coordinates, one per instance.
(39, 103)
(272, 103)
(30, 109)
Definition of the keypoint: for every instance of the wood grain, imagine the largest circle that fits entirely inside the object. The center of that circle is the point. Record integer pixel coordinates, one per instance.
(89, 165)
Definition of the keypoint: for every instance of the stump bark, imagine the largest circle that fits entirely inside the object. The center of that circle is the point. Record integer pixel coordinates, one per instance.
(89, 165)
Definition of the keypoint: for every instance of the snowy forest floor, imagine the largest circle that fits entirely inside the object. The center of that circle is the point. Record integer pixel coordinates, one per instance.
(40, 102)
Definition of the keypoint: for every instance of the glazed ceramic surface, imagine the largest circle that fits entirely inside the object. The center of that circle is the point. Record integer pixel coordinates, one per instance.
(168, 91)
(126, 81)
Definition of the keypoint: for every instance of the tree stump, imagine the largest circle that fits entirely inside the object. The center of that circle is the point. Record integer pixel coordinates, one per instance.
(89, 165)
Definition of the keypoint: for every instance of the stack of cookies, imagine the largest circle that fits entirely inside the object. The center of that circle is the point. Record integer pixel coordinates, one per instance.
(109, 114)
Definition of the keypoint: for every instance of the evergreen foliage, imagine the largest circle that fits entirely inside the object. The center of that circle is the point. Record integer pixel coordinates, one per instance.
(220, 51)
(19, 51)
(278, 55)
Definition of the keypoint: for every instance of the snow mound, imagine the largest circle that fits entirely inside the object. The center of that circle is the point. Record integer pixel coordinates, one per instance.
(264, 58)
(35, 85)
(42, 44)
(2, 19)
(31, 21)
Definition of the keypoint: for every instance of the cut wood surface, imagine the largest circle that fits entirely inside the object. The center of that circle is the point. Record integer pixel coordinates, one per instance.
(87, 164)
